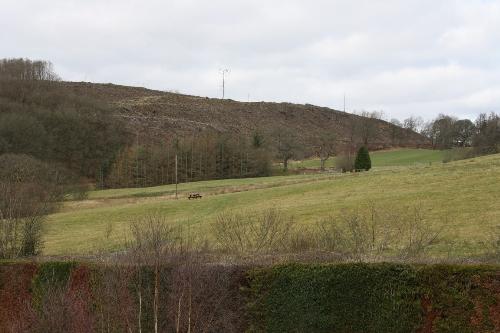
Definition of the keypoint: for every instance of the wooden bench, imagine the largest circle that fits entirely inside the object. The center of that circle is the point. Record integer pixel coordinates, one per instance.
(194, 196)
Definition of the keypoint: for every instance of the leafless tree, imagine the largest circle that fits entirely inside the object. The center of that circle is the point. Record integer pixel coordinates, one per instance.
(413, 123)
(367, 125)
(152, 239)
(287, 146)
(29, 190)
(27, 70)
(326, 148)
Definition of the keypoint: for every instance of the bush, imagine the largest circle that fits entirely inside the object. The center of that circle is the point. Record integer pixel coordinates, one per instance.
(363, 161)
(269, 231)
(372, 234)
(344, 163)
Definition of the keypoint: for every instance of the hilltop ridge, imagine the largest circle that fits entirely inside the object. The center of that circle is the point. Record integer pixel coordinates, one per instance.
(155, 115)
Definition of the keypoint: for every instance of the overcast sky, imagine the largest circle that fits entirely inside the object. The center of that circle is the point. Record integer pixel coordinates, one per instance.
(405, 57)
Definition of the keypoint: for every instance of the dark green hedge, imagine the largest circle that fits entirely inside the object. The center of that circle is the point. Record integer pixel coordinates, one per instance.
(335, 298)
(372, 298)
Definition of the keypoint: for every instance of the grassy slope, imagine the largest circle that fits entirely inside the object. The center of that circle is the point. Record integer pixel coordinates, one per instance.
(465, 194)
(385, 158)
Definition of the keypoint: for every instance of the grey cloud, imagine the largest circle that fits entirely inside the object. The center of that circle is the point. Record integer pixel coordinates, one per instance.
(416, 57)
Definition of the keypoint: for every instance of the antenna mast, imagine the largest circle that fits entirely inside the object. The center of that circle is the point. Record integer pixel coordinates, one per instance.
(224, 72)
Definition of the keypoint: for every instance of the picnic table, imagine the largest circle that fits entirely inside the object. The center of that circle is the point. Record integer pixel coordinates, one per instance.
(194, 195)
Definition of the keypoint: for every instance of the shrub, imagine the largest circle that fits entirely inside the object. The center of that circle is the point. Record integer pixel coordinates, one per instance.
(344, 163)
(363, 161)
(266, 232)
(372, 233)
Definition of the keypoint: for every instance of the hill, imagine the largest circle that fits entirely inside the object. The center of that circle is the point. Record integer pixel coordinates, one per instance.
(114, 136)
(156, 115)
(461, 198)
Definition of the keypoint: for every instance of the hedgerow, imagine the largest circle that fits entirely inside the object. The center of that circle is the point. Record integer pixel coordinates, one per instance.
(313, 298)
(335, 298)
(50, 275)
(374, 298)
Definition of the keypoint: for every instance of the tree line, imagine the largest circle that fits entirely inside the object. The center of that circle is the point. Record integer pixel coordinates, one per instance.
(483, 135)
(27, 70)
(447, 132)
(199, 157)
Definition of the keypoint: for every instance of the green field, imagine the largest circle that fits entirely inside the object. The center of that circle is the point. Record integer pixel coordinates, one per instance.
(397, 157)
(464, 195)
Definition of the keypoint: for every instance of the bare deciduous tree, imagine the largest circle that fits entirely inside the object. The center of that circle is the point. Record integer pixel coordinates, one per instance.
(287, 146)
(326, 148)
(29, 190)
(367, 126)
(152, 239)
(413, 123)
(28, 70)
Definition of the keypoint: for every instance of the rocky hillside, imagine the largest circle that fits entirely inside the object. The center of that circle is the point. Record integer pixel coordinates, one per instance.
(157, 115)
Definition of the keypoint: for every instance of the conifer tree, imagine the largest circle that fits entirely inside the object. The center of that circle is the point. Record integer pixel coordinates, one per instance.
(363, 161)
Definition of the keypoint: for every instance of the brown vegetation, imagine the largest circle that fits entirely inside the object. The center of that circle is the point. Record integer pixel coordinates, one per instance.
(156, 115)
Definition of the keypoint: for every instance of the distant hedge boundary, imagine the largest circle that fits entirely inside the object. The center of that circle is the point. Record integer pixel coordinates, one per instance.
(77, 297)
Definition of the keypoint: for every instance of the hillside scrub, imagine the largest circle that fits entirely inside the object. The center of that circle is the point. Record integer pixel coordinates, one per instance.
(156, 115)
(41, 117)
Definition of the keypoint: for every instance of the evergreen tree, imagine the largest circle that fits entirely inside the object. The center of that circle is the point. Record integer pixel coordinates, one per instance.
(363, 161)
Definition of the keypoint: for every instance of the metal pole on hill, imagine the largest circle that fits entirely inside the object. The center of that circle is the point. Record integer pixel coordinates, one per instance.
(224, 72)
(176, 176)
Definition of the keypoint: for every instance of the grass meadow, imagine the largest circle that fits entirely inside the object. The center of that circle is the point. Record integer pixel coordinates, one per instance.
(462, 197)
(383, 158)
